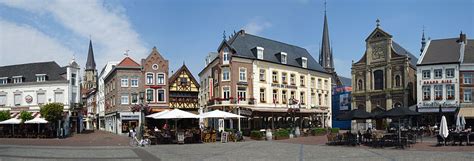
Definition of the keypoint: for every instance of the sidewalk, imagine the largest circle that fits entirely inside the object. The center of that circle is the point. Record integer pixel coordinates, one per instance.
(97, 138)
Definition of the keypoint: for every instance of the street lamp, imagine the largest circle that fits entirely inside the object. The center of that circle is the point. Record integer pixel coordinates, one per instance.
(141, 108)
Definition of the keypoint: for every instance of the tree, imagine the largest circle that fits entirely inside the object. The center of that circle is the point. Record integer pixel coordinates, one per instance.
(4, 115)
(52, 112)
(25, 116)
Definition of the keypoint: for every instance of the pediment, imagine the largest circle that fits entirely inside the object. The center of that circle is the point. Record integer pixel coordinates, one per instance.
(378, 34)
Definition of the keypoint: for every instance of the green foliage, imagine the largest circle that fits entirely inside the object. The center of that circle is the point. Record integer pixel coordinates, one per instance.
(52, 112)
(335, 130)
(25, 116)
(318, 131)
(4, 115)
(282, 133)
(257, 135)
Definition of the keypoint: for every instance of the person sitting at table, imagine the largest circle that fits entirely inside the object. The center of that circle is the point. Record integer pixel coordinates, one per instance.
(165, 127)
(156, 129)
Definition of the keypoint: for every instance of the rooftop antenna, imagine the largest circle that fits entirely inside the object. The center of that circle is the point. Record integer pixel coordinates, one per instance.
(378, 23)
(126, 53)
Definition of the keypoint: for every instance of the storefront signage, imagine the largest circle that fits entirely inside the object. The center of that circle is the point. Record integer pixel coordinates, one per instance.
(437, 81)
(180, 138)
(284, 86)
(437, 104)
(344, 102)
(130, 117)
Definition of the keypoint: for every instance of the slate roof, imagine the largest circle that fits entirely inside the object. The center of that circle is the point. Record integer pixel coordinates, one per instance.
(402, 51)
(52, 70)
(469, 52)
(345, 81)
(244, 44)
(90, 64)
(442, 51)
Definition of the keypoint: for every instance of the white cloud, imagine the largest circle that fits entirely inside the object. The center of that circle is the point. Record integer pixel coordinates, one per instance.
(24, 44)
(256, 25)
(110, 29)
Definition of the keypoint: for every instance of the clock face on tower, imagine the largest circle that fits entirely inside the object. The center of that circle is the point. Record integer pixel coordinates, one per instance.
(378, 51)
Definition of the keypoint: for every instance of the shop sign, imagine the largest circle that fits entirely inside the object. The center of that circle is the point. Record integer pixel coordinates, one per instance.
(224, 137)
(437, 82)
(275, 85)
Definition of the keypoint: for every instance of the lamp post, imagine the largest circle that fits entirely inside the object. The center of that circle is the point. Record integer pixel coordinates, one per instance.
(141, 96)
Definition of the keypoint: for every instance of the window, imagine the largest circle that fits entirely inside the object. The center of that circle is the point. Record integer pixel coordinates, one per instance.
(283, 78)
(124, 82)
(438, 92)
(3, 80)
(467, 79)
(149, 95)
(313, 82)
(243, 74)
(292, 79)
(319, 99)
(226, 92)
(262, 95)
(73, 79)
(3, 100)
(160, 79)
(183, 81)
(40, 77)
(304, 62)
(134, 98)
(426, 74)
(326, 84)
(283, 58)
(225, 59)
(438, 73)
(154, 66)
(161, 95)
(275, 96)
(262, 75)
(320, 82)
(260, 52)
(225, 74)
(17, 99)
(134, 82)
(17, 79)
(149, 78)
(450, 73)
(326, 100)
(283, 97)
(397, 81)
(426, 93)
(378, 80)
(41, 98)
(242, 93)
(313, 98)
(292, 95)
(450, 91)
(467, 95)
(59, 97)
(275, 77)
(302, 98)
(360, 85)
(124, 99)
(302, 81)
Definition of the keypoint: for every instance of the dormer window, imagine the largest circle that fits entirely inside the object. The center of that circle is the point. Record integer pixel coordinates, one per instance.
(260, 52)
(225, 56)
(17, 79)
(283, 57)
(304, 62)
(40, 77)
(3, 80)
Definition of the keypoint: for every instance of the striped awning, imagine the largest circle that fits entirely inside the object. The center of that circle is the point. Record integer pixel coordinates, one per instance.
(17, 114)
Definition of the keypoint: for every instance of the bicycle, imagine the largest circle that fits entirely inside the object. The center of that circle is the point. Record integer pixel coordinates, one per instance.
(134, 142)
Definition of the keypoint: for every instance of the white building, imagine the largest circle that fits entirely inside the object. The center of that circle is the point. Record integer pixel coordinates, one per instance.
(25, 87)
(101, 94)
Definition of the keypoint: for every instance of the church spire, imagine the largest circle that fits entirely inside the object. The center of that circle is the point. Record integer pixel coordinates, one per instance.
(423, 42)
(325, 55)
(90, 64)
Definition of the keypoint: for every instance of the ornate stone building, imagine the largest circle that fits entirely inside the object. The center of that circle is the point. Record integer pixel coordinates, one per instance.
(385, 76)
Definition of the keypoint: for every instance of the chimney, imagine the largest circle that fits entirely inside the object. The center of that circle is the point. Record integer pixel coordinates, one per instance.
(462, 38)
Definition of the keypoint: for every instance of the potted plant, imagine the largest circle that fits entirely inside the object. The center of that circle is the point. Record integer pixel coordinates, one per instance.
(282, 134)
(256, 135)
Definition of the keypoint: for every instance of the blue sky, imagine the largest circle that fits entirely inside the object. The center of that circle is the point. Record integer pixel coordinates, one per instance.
(32, 31)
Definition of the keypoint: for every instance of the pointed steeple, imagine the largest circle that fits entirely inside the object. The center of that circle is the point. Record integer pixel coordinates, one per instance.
(90, 64)
(423, 42)
(325, 55)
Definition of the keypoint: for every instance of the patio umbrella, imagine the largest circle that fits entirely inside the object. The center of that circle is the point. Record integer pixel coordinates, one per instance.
(443, 128)
(157, 114)
(219, 114)
(38, 121)
(177, 114)
(463, 122)
(355, 114)
(12, 121)
(398, 112)
(458, 123)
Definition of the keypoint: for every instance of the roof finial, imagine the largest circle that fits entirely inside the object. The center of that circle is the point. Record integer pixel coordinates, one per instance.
(184, 63)
(73, 57)
(223, 35)
(378, 22)
(325, 6)
(126, 53)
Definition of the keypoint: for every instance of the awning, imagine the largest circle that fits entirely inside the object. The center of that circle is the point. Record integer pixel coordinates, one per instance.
(467, 112)
(153, 110)
(284, 110)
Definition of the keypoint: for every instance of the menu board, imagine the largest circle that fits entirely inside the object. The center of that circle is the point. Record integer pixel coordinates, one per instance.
(224, 137)
(180, 138)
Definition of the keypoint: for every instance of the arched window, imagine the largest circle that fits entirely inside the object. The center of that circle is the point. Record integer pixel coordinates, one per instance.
(360, 85)
(378, 80)
(397, 81)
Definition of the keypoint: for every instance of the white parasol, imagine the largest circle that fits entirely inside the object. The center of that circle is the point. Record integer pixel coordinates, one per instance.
(443, 128)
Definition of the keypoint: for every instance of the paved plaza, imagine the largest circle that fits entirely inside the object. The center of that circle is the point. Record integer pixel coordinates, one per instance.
(299, 149)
